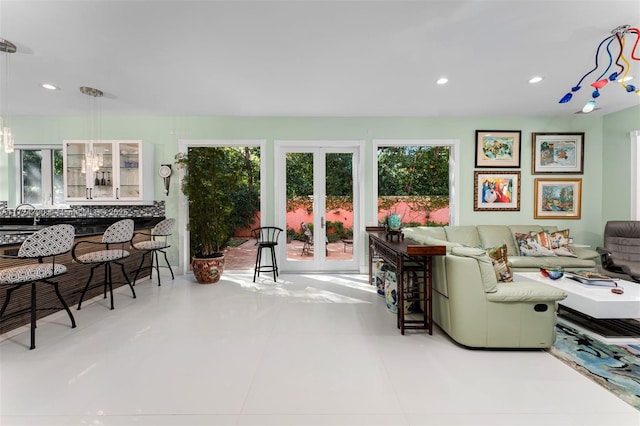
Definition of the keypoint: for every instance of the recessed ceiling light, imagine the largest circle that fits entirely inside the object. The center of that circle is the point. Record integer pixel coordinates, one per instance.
(49, 86)
(442, 80)
(536, 79)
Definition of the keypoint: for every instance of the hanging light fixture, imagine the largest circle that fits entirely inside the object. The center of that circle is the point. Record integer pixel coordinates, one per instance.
(92, 129)
(6, 137)
(622, 45)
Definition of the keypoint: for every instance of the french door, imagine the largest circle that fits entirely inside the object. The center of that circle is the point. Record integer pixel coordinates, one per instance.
(317, 202)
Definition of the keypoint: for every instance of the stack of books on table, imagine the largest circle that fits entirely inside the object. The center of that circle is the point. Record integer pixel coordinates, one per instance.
(592, 278)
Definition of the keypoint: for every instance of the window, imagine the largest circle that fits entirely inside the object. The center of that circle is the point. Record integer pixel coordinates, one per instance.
(40, 175)
(416, 179)
(635, 175)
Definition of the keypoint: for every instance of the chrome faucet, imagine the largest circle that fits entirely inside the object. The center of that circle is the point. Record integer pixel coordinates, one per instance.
(36, 219)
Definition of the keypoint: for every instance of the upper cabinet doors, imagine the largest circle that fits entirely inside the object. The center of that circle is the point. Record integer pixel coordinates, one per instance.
(106, 171)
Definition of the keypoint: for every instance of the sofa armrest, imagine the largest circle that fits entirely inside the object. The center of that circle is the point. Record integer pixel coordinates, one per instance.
(605, 258)
(610, 264)
(526, 291)
(585, 253)
(484, 265)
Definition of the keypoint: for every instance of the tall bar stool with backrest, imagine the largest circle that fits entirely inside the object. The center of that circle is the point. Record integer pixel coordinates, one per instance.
(44, 244)
(267, 237)
(118, 234)
(157, 243)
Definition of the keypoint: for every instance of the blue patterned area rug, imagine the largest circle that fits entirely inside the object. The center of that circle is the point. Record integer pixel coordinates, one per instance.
(616, 367)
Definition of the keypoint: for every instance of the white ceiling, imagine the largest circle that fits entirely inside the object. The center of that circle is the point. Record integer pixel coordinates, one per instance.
(310, 58)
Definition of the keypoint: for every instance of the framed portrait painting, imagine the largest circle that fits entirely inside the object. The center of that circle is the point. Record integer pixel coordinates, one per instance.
(497, 191)
(557, 198)
(557, 153)
(498, 148)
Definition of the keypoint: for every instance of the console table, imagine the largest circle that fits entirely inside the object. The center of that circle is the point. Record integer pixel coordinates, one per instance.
(407, 256)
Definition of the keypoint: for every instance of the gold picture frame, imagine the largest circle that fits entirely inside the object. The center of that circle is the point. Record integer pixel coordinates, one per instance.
(557, 198)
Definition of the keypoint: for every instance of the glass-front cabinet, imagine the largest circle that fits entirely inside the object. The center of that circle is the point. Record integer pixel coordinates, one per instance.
(104, 171)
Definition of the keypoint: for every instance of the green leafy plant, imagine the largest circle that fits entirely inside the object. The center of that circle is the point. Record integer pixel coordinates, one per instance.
(219, 198)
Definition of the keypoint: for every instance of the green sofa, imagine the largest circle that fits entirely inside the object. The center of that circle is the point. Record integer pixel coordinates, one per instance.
(476, 310)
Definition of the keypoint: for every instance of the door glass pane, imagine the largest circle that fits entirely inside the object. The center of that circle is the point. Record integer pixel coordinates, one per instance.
(339, 206)
(300, 206)
(32, 176)
(413, 181)
(129, 159)
(102, 171)
(76, 169)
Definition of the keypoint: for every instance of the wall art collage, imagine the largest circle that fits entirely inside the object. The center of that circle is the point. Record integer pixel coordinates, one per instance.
(551, 153)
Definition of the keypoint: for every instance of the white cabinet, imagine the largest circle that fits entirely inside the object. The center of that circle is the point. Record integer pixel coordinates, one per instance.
(104, 172)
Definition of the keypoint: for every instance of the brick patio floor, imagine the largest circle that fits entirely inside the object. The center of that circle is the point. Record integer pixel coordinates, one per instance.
(244, 256)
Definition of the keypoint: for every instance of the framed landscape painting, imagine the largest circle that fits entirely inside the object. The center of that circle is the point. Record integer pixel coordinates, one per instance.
(497, 191)
(557, 153)
(498, 148)
(557, 198)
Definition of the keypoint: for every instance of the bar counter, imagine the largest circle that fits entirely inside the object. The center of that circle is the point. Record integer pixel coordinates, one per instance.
(72, 283)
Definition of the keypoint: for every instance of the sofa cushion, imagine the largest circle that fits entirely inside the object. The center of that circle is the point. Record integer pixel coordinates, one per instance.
(423, 238)
(585, 253)
(522, 229)
(425, 231)
(497, 235)
(465, 235)
(533, 263)
(499, 258)
(526, 291)
(559, 243)
(487, 273)
(534, 244)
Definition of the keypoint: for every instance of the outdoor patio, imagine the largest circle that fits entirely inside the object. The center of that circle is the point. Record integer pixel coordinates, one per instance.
(244, 256)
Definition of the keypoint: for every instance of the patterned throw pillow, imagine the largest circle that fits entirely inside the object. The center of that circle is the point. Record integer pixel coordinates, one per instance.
(534, 244)
(498, 256)
(559, 243)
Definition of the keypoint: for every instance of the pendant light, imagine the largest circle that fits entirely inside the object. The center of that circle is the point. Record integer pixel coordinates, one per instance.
(623, 51)
(6, 136)
(92, 128)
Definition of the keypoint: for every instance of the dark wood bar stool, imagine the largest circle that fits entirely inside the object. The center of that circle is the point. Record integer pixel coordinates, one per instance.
(267, 238)
(157, 243)
(119, 234)
(46, 243)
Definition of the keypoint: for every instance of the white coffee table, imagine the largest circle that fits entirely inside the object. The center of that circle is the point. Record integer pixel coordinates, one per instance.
(596, 302)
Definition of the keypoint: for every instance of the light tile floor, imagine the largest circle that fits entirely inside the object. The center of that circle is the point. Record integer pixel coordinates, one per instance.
(307, 350)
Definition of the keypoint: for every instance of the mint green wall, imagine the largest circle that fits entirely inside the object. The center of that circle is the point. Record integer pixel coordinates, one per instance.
(616, 153)
(164, 133)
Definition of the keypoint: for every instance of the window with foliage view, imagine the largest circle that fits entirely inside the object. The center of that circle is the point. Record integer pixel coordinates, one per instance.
(413, 181)
(41, 178)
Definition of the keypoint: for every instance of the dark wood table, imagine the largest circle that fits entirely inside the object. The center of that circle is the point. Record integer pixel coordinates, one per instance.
(407, 256)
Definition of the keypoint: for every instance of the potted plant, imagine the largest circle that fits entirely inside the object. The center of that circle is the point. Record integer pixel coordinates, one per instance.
(210, 182)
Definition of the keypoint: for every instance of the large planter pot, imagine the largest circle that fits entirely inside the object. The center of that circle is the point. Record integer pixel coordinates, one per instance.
(207, 270)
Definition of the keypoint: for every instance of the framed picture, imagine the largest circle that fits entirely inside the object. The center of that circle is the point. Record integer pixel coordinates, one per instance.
(498, 148)
(557, 198)
(497, 191)
(557, 153)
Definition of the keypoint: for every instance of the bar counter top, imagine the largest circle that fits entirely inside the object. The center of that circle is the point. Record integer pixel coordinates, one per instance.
(16, 230)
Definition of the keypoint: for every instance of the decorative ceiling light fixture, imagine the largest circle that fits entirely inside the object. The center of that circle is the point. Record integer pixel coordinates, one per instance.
(617, 41)
(92, 129)
(6, 48)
